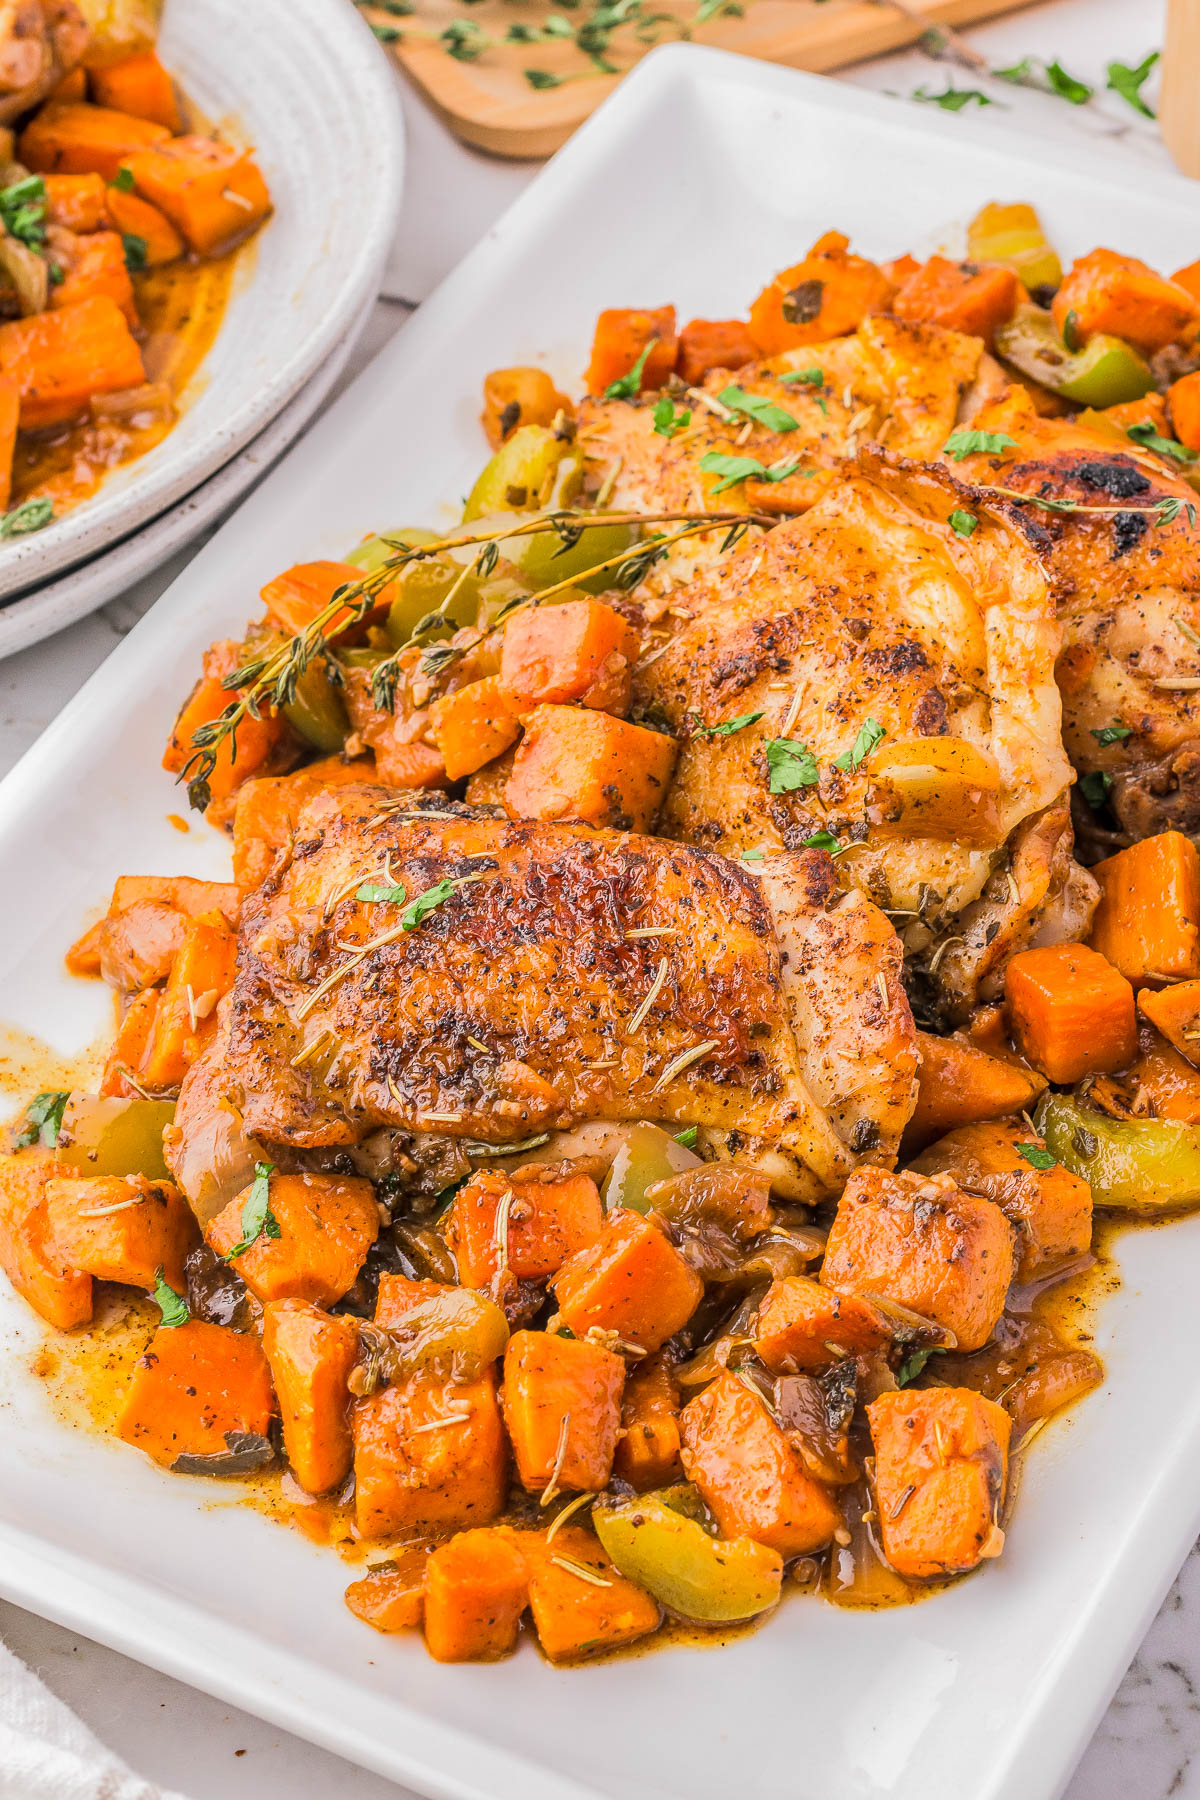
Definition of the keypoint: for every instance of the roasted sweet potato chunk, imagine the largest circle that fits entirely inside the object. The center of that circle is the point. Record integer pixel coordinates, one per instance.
(941, 1462)
(122, 1228)
(752, 1479)
(648, 1448)
(805, 1325)
(922, 1241)
(1175, 1011)
(429, 1453)
(311, 1355)
(576, 763)
(196, 1387)
(28, 1254)
(1051, 1208)
(544, 1222)
(325, 1226)
(562, 1406)
(632, 1280)
(1070, 1011)
(958, 1084)
(476, 1588)
(1147, 924)
(579, 650)
(573, 1615)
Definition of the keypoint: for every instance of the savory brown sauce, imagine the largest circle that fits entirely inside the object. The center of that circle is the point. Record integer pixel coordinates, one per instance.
(181, 307)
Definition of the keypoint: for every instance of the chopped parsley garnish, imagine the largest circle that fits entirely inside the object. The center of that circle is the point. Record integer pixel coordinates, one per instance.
(372, 891)
(628, 387)
(870, 733)
(257, 1218)
(961, 444)
(172, 1306)
(667, 421)
(1095, 787)
(1035, 1156)
(687, 1137)
(962, 522)
(1127, 82)
(790, 765)
(32, 515)
(123, 181)
(729, 727)
(914, 1362)
(1111, 734)
(1067, 87)
(757, 407)
(953, 99)
(823, 840)
(810, 377)
(1145, 435)
(44, 1116)
(426, 903)
(135, 249)
(733, 469)
(23, 211)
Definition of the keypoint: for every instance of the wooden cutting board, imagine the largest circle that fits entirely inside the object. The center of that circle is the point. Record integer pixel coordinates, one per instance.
(489, 102)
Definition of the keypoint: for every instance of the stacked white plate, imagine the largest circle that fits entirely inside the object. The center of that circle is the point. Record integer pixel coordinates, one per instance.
(304, 83)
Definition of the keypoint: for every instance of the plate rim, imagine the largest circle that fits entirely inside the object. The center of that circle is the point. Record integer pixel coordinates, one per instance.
(1052, 1733)
(149, 486)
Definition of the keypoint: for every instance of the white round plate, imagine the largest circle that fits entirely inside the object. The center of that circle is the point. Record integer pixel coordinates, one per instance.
(28, 618)
(304, 83)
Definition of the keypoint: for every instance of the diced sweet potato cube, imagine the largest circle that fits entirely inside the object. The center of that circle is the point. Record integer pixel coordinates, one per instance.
(397, 1295)
(648, 1448)
(311, 1355)
(476, 1588)
(751, 1478)
(921, 1241)
(546, 1221)
(579, 650)
(804, 1325)
(572, 1615)
(85, 140)
(575, 763)
(122, 1228)
(326, 1225)
(1051, 1208)
(960, 296)
(123, 1066)
(158, 241)
(137, 941)
(212, 193)
(958, 1084)
(393, 1600)
(941, 1462)
(256, 739)
(1107, 292)
(706, 344)
(1070, 1012)
(196, 1385)
(562, 1406)
(202, 971)
(137, 84)
(827, 295)
(430, 1453)
(1184, 398)
(60, 359)
(473, 725)
(295, 598)
(76, 202)
(1148, 921)
(631, 1280)
(97, 265)
(622, 334)
(267, 810)
(28, 1254)
(1175, 1011)
(516, 397)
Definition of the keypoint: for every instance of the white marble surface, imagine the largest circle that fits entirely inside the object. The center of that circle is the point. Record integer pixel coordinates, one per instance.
(1147, 1746)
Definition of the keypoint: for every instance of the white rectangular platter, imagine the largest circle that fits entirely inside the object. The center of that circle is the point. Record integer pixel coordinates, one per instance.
(701, 178)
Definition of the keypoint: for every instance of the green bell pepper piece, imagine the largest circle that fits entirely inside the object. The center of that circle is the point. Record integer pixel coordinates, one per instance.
(716, 1581)
(114, 1137)
(1013, 235)
(525, 466)
(1106, 372)
(1145, 1165)
(647, 1154)
(421, 588)
(316, 712)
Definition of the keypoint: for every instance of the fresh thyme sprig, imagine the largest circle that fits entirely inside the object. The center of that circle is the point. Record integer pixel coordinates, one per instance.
(270, 680)
(1160, 512)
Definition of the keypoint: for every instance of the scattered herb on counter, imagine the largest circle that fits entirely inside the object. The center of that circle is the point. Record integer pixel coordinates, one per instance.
(1121, 79)
(543, 78)
(953, 99)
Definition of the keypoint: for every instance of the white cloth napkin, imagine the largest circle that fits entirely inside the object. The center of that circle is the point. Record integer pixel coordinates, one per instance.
(46, 1753)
